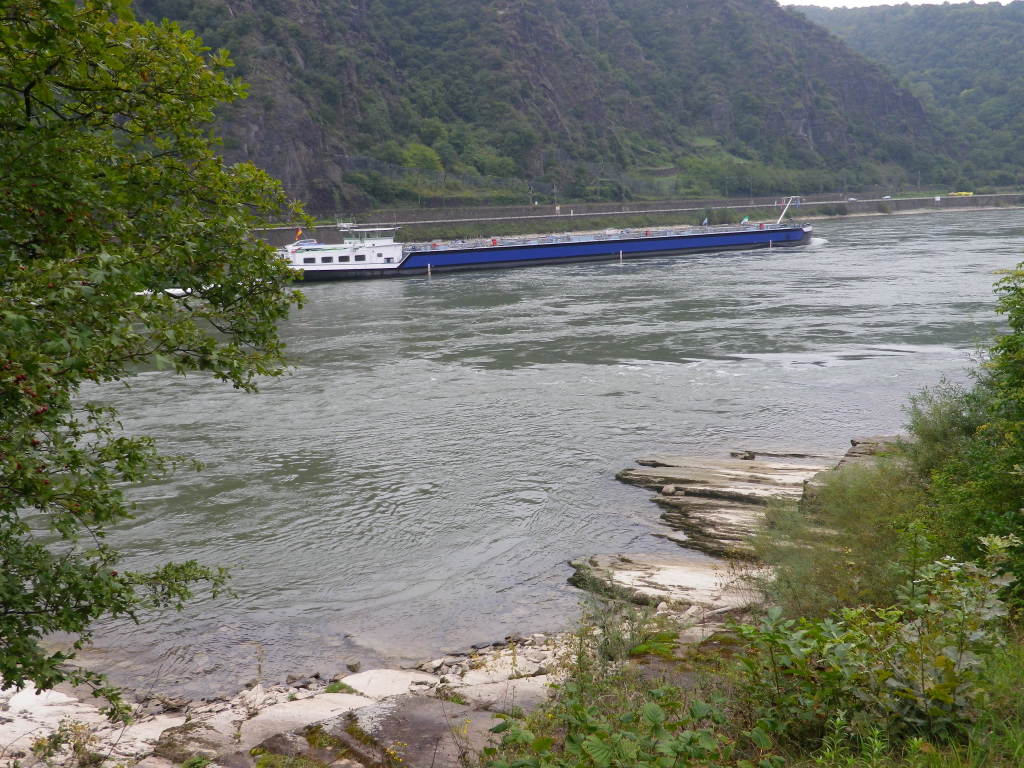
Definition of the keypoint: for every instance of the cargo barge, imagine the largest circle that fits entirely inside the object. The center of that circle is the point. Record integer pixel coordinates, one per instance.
(372, 252)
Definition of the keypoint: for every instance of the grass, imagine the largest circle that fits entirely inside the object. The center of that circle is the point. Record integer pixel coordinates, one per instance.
(587, 579)
(845, 544)
(288, 761)
(339, 687)
(447, 693)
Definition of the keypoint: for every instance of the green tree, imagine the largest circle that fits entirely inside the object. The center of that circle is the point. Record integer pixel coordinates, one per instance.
(422, 157)
(110, 194)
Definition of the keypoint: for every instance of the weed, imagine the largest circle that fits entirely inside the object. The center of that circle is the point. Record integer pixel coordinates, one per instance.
(288, 761)
(447, 693)
(339, 687)
(846, 545)
(588, 580)
(911, 669)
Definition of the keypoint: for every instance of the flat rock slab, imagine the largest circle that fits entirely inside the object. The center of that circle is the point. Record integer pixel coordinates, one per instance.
(425, 732)
(30, 715)
(294, 714)
(524, 693)
(754, 480)
(714, 526)
(499, 667)
(706, 586)
(718, 504)
(381, 683)
(229, 737)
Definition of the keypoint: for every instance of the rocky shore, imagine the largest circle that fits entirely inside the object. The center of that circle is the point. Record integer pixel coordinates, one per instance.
(442, 710)
(431, 715)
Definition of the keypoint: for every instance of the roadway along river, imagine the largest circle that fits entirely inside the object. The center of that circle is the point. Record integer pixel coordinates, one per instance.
(445, 446)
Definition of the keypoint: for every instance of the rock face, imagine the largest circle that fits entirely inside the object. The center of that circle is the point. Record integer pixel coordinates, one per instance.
(717, 504)
(526, 90)
(714, 506)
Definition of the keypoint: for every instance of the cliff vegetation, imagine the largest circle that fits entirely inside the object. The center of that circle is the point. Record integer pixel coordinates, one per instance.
(963, 61)
(581, 99)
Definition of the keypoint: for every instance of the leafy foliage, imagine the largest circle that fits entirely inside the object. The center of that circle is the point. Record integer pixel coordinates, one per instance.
(910, 669)
(111, 194)
(709, 95)
(846, 543)
(962, 60)
(659, 733)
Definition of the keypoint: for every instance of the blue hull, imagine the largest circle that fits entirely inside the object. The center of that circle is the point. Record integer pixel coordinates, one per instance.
(507, 256)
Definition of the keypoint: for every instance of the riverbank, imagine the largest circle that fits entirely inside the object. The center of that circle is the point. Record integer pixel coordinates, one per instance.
(442, 710)
(585, 217)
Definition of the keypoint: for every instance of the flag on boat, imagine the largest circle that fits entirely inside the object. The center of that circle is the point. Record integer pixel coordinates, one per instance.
(705, 222)
(298, 233)
(746, 220)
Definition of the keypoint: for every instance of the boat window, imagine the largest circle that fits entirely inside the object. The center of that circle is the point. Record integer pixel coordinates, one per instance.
(342, 258)
(309, 260)
(360, 257)
(388, 260)
(381, 256)
(326, 259)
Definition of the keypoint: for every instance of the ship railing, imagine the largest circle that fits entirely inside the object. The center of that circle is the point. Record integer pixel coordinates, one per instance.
(565, 237)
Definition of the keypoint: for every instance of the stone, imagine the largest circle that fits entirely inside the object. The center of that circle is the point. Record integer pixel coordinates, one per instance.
(182, 742)
(508, 695)
(421, 730)
(289, 715)
(253, 698)
(155, 762)
(382, 683)
(499, 668)
(174, 703)
(681, 579)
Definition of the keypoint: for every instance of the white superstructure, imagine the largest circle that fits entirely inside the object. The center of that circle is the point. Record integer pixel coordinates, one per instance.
(362, 248)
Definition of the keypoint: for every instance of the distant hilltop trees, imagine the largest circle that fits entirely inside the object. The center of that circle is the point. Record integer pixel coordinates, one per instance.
(710, 96)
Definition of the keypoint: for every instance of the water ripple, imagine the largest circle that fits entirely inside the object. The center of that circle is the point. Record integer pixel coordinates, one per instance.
(443, 447)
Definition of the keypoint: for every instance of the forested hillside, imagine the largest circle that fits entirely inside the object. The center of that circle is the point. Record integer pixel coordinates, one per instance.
(706, 93)
(964, 61)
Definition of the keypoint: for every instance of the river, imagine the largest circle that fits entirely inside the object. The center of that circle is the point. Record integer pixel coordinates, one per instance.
(444, 446)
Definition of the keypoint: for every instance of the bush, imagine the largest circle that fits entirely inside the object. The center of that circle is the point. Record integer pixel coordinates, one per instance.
(909, 670)
(846, 544)
(942, 421)
(611, 713)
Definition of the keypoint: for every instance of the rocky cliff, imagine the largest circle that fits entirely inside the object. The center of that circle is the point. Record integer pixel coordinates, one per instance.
(539, 89)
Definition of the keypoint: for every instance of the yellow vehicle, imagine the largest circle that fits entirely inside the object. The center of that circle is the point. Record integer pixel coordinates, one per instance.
(960, 194)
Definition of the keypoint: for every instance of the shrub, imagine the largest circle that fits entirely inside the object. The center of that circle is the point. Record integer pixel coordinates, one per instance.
(845, 545)
(942, 421)
(909, 670)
